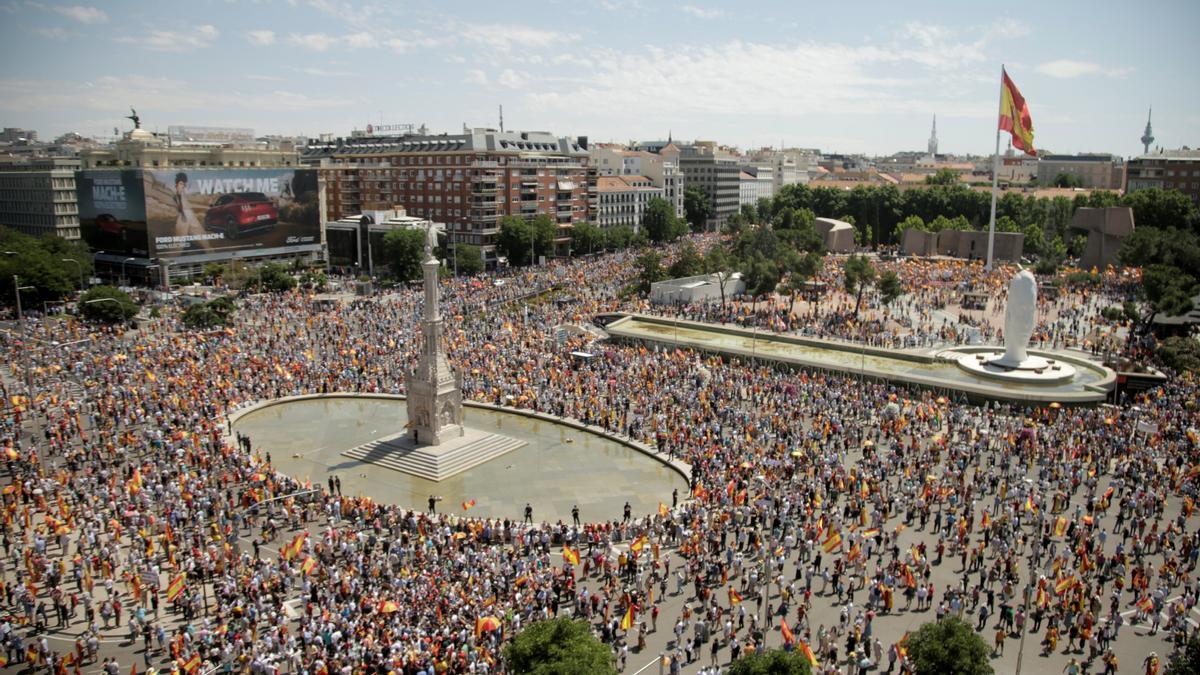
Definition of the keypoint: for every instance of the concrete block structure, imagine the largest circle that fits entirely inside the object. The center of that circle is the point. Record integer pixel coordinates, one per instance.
(972, 244)
(918, 242)
(1106, 228)
(836, 235)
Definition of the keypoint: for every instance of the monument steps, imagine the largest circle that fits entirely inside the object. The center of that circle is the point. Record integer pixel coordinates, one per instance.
(434, 462)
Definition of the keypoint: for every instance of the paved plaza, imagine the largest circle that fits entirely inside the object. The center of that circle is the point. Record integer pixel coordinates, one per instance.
(128, 484)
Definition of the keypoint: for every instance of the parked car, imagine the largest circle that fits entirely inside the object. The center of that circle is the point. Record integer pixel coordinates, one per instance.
(238, 213)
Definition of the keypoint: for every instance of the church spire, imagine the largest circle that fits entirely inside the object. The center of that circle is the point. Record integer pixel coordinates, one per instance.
(1148, 134)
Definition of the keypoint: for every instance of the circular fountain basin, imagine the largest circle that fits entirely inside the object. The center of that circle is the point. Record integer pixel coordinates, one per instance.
(1035, 369)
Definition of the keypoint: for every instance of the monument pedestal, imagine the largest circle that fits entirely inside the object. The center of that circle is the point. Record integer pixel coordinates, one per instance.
(435, 462)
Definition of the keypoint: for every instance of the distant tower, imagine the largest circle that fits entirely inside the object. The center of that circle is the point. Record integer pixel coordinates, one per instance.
(1148, 134)
(933, 139)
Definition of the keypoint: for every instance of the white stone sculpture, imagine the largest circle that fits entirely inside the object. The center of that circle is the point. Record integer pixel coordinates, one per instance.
(1020, 316)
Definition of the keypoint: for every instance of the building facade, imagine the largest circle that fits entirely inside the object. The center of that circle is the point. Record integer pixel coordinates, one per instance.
(141, 149)
(1093, 171)
(716, 172)
(756, 182)
(610, 159)
(623, 200)
(468, 181)
(38, 197)
(1167, 170)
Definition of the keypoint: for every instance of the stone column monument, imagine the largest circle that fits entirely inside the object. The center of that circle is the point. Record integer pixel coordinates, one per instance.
(434, 389)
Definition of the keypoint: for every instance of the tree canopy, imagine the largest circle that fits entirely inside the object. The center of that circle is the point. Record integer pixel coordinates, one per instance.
(41, 262)
(107, 304)
(521, 241)
(948, 647)
(558, 646)
(697, 207)
(660, 223)
(403, 249)
(771, 662)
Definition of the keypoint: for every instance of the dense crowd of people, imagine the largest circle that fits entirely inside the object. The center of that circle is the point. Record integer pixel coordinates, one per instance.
(135, 510)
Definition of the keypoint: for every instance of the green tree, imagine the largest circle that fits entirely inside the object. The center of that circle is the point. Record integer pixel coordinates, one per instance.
(523, 240)
(216, 312)
(650, 269)
(212, 271)
(468, 258)
(1162, 209)
(801, 269)
(688, 263)
(621, 237)
(858, 275)
(910, 223)
(404, 250)
(558, 647)
(107, 304)
(1181, 353)
(697, 207)
(889, 287)
(719, 262)
(274, 278)
(948, 647)
(1185, 658)
(771, 662)
(660, 223)
(1066, 180)
(1168, 291)
(586, 238)
(762, 276)
(943, 177)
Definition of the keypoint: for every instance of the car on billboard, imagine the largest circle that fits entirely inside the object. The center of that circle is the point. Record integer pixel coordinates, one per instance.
(238, 213)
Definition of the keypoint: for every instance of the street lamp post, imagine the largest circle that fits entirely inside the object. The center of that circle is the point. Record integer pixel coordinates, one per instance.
(80, 266)
(123, 281)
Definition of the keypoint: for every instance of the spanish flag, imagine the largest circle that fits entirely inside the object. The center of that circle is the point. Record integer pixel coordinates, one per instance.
(788, 637)
(176, 587)
(1014, 115)
(192, 665)
(570, 555)
(1065, 584)
(1060, 526)
(808, 653)
(293, 549)
(309, 564)
(638, 544)
(468, 504)
(627, 620)
(735, 598)
(985, 520)
(663, 510)
(834, 541)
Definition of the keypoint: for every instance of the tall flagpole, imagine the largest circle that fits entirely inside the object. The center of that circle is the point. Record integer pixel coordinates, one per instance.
(995, 173)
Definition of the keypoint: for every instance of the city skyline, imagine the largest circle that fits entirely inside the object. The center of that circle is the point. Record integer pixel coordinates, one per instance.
(613, 70)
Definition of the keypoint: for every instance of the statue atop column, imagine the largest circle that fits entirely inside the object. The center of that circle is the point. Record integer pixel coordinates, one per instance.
(434, 389)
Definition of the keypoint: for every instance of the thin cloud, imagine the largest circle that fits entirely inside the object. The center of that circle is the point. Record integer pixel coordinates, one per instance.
(1066, 69)
(702, 12)
(55, 33)
(321, 42)
(505, 37)
(261, 38)
(175, 41)
(81, 13)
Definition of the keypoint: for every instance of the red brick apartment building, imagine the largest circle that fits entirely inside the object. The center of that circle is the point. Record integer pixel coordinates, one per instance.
(467, 181)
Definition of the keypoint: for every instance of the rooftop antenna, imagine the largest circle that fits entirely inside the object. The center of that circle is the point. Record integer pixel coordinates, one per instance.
(502, 118)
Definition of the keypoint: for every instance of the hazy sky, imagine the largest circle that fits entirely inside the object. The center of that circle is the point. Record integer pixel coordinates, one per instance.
(840, 76)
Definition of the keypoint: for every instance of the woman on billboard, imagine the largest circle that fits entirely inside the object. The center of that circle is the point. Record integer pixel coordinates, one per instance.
(185, 220)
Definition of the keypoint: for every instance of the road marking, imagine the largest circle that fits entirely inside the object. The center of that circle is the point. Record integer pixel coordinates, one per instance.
(646, 666)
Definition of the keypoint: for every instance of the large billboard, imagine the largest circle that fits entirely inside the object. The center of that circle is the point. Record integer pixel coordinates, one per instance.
(187, 211)
(112, 210)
